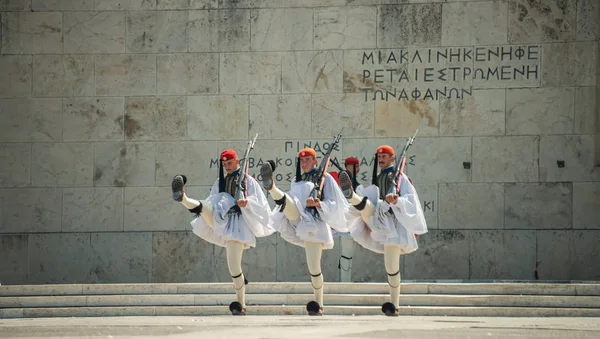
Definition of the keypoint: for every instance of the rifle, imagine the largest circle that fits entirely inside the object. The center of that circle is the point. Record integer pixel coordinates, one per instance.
(396, 179)
(322, 169)
(241, 190)
(334, 163)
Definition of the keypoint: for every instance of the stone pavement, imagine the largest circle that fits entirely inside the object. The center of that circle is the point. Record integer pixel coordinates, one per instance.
(280, 327)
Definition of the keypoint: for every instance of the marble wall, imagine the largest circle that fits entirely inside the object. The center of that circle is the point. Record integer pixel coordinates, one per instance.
(102, 102)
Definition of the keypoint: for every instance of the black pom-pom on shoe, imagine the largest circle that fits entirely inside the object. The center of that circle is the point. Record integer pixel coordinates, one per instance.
(389, 309)
(236, 308)
(313, 308)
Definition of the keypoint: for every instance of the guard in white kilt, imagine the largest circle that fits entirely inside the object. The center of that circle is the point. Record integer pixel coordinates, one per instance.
(385, 223)
(227, 222)
(305, 221)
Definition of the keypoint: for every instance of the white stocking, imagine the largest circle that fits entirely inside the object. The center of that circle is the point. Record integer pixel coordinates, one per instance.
(346, 258)
(207, 210)
(235, 250)
(391, 257)
(290, 210)
(367, 212)
(313, 260)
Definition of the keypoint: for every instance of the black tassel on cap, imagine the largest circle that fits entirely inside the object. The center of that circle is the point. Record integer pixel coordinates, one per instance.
(298, 174)
(374, 180)
(221, 177)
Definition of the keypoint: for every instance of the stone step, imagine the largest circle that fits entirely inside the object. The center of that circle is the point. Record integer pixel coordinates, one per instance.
(296, 310)
(301, 299)
(460, 288)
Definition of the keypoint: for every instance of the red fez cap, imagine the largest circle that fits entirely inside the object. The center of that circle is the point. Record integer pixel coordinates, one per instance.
(335, 177)
(306, 152)
(351, 161)
(228, 154)
(385, 149)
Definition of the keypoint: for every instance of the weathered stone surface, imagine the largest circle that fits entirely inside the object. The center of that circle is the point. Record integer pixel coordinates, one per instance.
(104, 5)
(312, 72)
(585, 110)
(554, 255)
(15, 261)
(442, 254)
(355, 63)
(28, 210)
(586, 205)
(155, 118)
(186, 4)
(152, 31)
(587, 19)
(15, 5)
(94, 32)
(250, 73)
(190, 158)
(429, 160)
(37, 120)
(576, 151)
(63, 75)
(505, 159)
(153, 209)
(210, 117)
(181, 257)
(331, 112)
(219, 31)
(124, 164)
(15, 164)
(538, 21)
(92, 209)
(291, 263)
(483, 113)
(367, 266)
(345, 27)
(93, 119)
(15, 72)
(121, 257)
(259, 263)
(59, 258)
(468, 206)
(279, 3)
(434, 160)
(486, 23)
(281, 29)
(507, 66)
(578, 71)
(568, 158)
(125, 74)
(280, 116)
(428, 194)
(568, 255)
(502, 254)
(538, 206)
(409, 25)
(31, 33)
(539, 111)
(586, 255)
(62, 5)
(402, 117)
(187, 73)
(62, 164)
